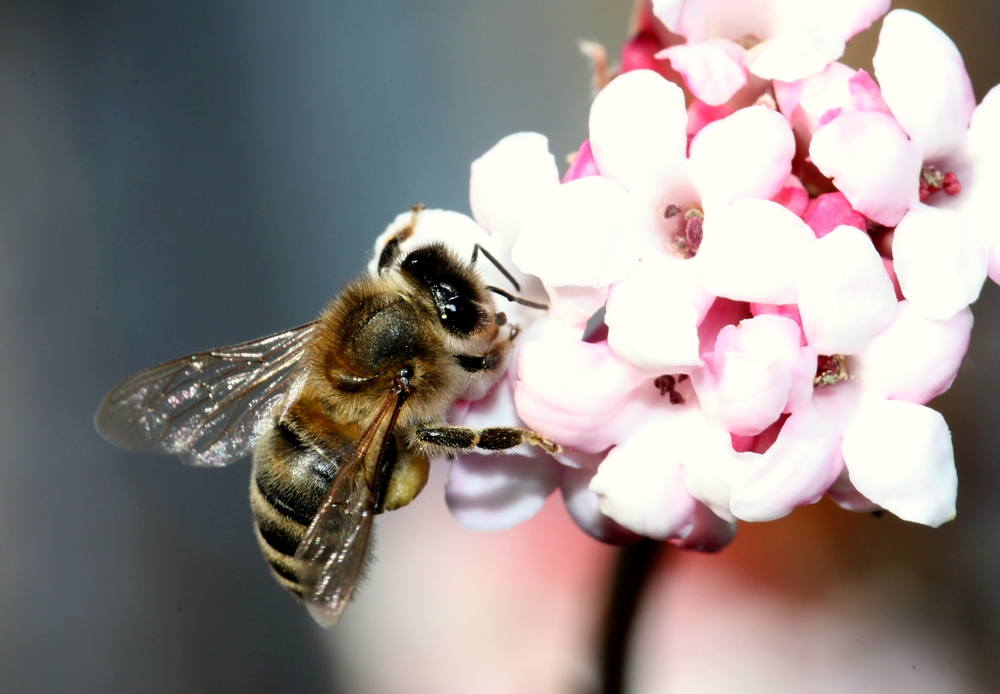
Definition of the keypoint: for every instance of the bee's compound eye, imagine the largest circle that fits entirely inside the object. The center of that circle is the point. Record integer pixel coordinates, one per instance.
(501, 318)
(406, 372)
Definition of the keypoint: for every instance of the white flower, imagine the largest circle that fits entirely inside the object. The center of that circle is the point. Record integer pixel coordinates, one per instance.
(784, 40)
(587, 239)
(928, 168)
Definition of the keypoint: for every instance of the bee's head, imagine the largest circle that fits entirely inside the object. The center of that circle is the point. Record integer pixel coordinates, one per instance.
(464, 306)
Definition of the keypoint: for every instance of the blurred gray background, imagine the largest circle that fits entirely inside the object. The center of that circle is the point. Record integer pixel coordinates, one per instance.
(176, 176)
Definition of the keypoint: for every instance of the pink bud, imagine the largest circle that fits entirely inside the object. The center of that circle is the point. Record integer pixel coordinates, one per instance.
(583, 164)
(829, 211)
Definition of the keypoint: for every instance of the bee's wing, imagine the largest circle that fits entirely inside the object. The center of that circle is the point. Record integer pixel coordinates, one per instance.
(208, 409)
(333, 548)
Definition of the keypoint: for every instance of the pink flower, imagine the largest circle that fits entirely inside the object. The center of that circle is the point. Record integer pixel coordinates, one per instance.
(871, 419)
(925, 168)
(758, 251)
(626, 234)
(615, 420)
(784, 40)
(757, 370)
(866, 413)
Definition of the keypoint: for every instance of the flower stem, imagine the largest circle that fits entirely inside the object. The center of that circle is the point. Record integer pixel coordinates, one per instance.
(632, 571)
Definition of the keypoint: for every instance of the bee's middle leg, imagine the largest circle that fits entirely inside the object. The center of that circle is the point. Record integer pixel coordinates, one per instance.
(457, 438)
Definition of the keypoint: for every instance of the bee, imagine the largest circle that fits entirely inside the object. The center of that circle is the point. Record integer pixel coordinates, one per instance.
(342, 415)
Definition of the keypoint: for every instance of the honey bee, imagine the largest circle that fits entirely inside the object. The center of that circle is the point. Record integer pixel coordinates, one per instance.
(342, 414)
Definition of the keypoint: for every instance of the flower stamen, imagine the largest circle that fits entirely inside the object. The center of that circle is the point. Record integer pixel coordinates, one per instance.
(666, 384)
(830, 370)
(672, 211)
(932, 181)
(686, 238)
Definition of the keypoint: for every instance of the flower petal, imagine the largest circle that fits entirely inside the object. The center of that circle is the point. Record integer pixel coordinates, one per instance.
(496, 492)
(638, 131)
(510, 181)
(843, 493)
(752, 252)
(710, 533)
(707, 19)
(748, 378)
(713, 70)
(805, 101)
(570, 391)
(872, 162)
(743, 392)
(701, 114)
(914, 359)
(711, 466)
(900, 456)
(748, 154)
(979, 191)
(577, 238)
(798, 468)
(924, 82)
(583, 506)
(794, 56)
(845, 295)
(650, 323)
(843, 19)
(940, 265)
(574, 306)
(641, 484)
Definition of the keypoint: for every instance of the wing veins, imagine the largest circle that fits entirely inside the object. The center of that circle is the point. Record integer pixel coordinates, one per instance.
(206, 407)
(318, 548)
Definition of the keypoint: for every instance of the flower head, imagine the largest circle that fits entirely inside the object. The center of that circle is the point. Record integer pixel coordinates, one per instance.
(784, 263)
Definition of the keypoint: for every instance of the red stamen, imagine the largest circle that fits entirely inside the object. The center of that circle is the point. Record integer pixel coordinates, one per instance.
(830, 369)
(932, 180)
(694, 232)
(952, 186)
(672, 211)
(925, 191)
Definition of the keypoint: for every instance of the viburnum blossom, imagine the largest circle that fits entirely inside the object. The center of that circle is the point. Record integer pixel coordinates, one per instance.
(911, 153)
(772, 39)
(758, 267)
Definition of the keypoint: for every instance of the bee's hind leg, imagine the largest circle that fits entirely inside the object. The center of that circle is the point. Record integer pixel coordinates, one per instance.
(456, 438)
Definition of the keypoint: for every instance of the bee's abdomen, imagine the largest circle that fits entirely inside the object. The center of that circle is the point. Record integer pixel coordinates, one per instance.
(290, 480)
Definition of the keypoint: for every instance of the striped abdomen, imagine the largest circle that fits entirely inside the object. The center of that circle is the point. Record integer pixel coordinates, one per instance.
(290, 480)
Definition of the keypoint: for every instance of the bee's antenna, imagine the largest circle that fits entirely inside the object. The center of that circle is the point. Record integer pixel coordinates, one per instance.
(516, 299)
(496, 263)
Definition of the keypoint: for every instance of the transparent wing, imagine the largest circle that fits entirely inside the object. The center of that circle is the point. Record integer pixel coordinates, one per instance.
(208, 409)
(333, 548)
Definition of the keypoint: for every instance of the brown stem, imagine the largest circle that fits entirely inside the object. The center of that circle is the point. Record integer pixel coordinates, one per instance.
(632, 571)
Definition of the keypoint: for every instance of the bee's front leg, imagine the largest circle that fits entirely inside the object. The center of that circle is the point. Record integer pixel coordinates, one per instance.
(493, 360)
(455, 438)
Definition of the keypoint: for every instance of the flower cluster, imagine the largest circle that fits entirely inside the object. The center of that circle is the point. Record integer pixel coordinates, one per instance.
(783, 250)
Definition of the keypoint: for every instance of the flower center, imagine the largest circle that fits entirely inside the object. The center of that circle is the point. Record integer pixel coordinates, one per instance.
(933, 181)
(830, 370)
(666, 384)
(687, 235)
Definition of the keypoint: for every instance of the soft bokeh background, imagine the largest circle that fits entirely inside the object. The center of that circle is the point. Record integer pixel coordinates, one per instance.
(176, 176)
